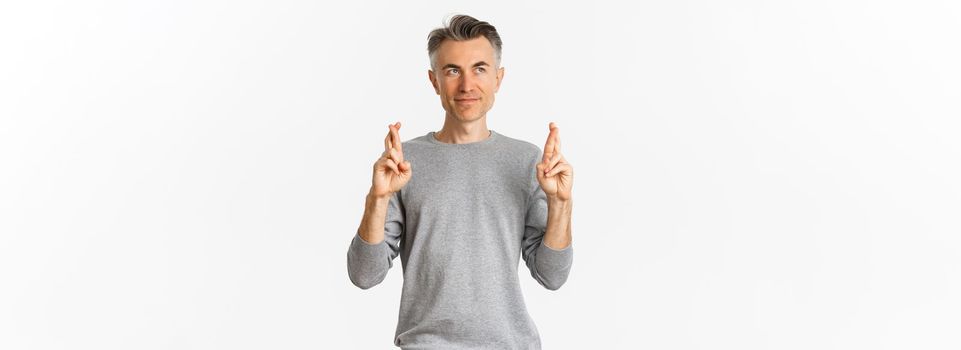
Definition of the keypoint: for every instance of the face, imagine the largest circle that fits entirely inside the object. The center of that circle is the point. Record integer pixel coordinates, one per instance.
(465, 76)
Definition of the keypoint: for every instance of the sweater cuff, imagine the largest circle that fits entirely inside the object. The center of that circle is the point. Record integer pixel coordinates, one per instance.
(557, 260)
(363, 251)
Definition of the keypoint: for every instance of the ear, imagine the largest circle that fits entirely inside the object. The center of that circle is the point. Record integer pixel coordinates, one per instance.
(500, 76)
(433, 81)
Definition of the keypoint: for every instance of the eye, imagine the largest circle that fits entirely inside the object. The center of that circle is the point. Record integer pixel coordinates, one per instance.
(481, 69)
(453, 71)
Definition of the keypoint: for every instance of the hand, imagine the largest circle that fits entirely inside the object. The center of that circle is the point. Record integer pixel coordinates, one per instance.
(554, 173)
(391, 171)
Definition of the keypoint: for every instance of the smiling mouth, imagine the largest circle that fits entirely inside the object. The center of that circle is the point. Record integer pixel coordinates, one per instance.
(466, 100)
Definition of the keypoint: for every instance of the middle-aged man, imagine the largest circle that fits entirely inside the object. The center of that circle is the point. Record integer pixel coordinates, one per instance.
(461, 206)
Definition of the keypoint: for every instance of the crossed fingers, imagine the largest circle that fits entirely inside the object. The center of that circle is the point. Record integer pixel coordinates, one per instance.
(552, 151)
(393, 148)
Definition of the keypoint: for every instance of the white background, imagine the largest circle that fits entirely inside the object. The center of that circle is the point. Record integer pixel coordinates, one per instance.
(749, 174)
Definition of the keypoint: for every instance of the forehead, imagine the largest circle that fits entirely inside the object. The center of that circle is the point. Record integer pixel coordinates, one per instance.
(465, 52)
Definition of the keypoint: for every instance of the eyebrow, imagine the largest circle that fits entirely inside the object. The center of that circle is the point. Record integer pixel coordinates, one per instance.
(478, 64)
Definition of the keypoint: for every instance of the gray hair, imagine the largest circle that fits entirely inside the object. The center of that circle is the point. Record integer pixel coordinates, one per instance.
(461, 28)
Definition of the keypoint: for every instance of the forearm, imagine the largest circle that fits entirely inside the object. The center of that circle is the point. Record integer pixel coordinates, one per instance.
(368, 257)
(558, 233)
(375, 216)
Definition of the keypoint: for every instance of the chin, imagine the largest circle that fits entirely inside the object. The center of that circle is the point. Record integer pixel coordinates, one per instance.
(468, 116)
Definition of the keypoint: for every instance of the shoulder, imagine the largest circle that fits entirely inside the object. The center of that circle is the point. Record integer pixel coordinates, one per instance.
(520, 148)
(416, 144)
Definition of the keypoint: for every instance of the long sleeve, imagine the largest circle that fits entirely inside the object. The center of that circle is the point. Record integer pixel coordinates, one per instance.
(367, 263)
(550, 267)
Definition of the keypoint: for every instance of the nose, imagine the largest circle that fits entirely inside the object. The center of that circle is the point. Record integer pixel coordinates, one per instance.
(467, 82)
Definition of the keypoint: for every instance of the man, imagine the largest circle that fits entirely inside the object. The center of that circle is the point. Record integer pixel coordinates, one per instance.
(461, 205)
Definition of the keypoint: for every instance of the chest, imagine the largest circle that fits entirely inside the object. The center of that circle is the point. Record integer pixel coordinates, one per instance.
(456, 186)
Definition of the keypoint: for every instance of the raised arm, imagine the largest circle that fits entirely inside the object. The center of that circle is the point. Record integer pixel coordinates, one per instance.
(377, 241)
(556, 177)
(548, 248)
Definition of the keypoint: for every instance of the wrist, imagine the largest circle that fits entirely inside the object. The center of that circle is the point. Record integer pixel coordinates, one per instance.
(557, 201)
(372, 196)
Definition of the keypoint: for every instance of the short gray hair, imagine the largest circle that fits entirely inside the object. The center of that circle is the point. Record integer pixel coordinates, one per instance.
(461, 28)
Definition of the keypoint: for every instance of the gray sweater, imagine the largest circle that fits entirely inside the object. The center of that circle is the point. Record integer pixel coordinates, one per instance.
(460, 225)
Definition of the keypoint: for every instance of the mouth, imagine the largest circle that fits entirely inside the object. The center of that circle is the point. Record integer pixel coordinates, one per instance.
(466, 100)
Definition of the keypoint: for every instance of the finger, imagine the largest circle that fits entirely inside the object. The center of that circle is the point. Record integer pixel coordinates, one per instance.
(383, 158)
(393, 166)
(395, 137)
(387, 142)
(549, 145)
(557, 140)
(553, 161)
(561, 169)
(396, 156)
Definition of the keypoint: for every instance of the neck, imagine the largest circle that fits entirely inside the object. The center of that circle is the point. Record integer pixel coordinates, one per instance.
(456, 131)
